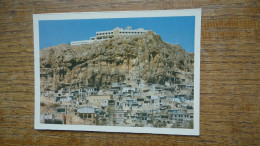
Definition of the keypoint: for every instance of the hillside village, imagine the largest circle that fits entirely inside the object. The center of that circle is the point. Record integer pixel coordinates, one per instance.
(132, 103)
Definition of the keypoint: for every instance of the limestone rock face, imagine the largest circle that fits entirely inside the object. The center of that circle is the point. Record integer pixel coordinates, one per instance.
(144, 57)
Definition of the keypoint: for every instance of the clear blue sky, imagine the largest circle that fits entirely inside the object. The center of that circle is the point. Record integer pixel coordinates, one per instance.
(173, 30)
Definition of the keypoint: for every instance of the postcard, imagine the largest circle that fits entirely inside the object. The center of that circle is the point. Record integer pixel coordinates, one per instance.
(124, 71)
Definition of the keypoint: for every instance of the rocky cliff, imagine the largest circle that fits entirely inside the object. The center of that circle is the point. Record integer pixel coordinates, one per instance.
(144, 57)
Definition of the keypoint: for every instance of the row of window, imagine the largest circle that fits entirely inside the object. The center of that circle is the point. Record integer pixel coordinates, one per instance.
(103, 33)
(121, 32)
(131, 32)
(185, 116)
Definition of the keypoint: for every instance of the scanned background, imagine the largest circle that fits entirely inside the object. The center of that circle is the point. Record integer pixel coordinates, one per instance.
(230, 73)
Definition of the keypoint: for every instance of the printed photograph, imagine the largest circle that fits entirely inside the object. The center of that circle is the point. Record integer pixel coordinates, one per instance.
(122, 72)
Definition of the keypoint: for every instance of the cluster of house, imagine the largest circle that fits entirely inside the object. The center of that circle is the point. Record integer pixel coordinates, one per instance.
(136, 104)
(108, 34)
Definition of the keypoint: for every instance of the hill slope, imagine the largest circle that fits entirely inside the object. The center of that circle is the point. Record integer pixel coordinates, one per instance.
(145, 57)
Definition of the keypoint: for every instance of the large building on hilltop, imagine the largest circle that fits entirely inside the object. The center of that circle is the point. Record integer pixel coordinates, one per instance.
(105, 35)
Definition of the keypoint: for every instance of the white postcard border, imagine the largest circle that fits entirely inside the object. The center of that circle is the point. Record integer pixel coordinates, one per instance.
(119, 14)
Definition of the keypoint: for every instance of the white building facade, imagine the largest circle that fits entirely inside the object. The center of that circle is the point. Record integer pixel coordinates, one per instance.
(105, 35)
